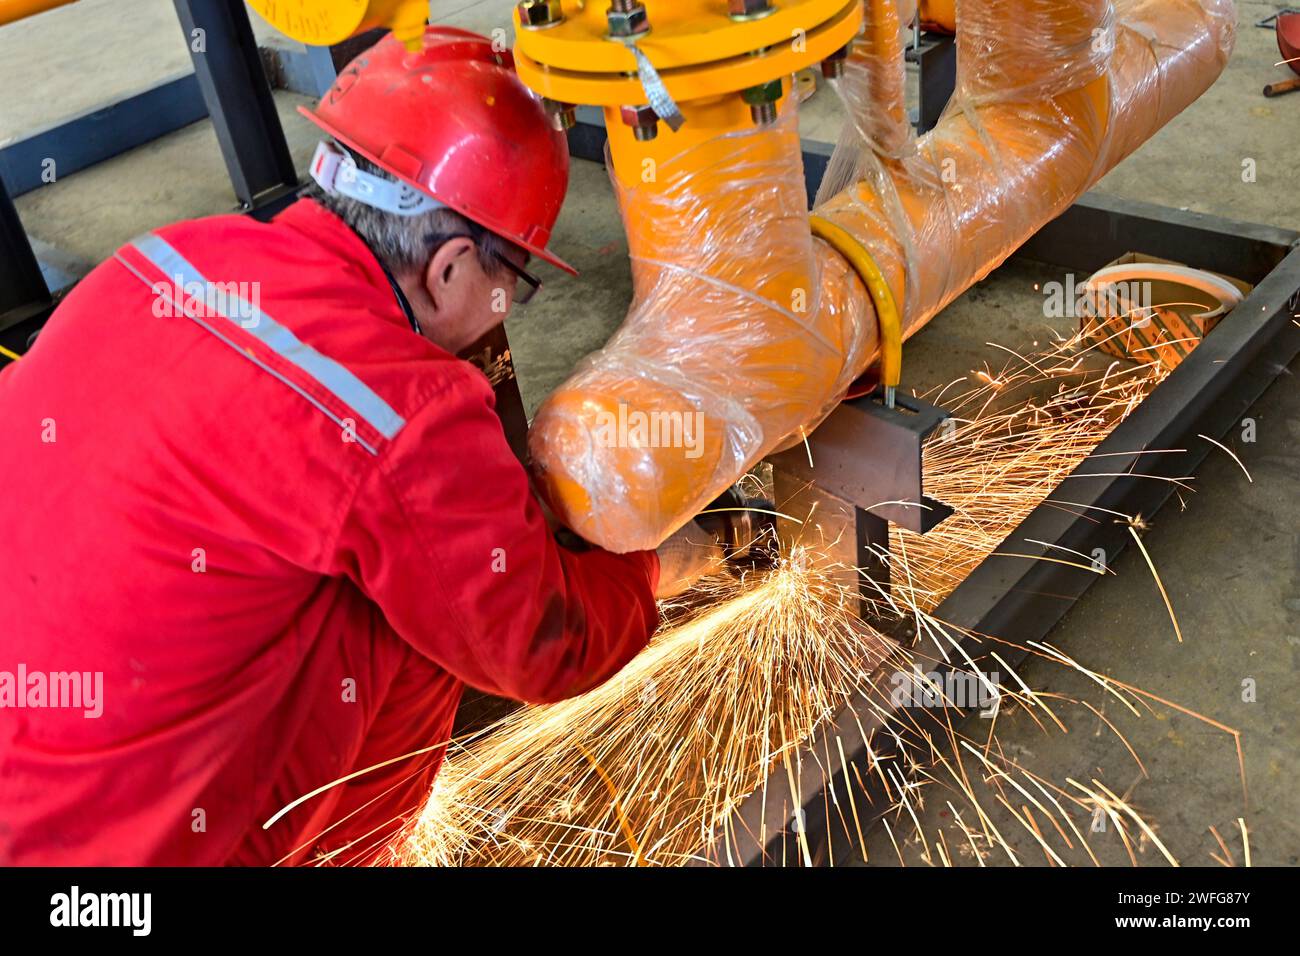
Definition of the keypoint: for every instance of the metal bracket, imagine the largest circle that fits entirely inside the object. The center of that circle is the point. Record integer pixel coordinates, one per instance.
(935, 56)
(869, 456)
(238, 97)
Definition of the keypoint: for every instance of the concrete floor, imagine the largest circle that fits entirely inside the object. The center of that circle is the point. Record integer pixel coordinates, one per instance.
(1229, 559)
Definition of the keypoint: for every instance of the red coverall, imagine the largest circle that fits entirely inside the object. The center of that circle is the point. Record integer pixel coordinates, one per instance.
(286, 529)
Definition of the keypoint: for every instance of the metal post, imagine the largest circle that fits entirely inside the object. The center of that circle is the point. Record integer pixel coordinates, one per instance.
(238, 97)
(936, 61)
(23, 291)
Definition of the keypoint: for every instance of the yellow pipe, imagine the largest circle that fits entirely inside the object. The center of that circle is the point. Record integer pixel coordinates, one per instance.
(698, 51)
(682, 34)
(14, 10)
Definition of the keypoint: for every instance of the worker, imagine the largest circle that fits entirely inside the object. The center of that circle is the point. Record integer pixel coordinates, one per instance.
(261, 522)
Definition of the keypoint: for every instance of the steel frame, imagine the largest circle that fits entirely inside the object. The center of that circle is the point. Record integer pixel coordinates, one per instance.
(229, 84)
(23, 292)
(102, 133)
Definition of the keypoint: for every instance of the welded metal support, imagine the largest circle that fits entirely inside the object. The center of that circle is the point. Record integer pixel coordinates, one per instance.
(238, 97)
(886, 480)
(861, 468)
(491, 353)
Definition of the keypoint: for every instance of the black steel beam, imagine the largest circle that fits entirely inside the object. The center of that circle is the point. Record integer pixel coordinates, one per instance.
(936, 63)
(1020, 601)
(238, 97)
(102, 133)
(1099, 228)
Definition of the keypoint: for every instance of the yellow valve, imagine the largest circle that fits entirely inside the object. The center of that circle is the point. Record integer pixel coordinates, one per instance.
(326, 22)
(887, 315)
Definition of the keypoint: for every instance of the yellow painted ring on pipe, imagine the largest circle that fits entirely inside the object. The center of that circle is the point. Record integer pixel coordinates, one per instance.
(682, 33)
(887, 315)
(715, 77)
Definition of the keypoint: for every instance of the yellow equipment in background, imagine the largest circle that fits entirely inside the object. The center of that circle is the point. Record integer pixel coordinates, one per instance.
(12, 10)
(326, 22)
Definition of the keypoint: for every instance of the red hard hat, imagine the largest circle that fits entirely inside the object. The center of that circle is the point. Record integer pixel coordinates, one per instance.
(454, 121)
(1287, 26)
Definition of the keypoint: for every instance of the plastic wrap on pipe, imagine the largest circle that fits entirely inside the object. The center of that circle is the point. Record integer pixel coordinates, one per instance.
(742, 328)
(1050, 94)
(1167, 53)
(874, 84)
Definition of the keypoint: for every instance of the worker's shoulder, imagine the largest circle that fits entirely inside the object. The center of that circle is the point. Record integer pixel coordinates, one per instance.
(281, 244)
(445, 386)
(305, 301)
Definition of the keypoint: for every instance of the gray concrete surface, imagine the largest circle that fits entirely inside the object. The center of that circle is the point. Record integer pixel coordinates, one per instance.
(1228, 559)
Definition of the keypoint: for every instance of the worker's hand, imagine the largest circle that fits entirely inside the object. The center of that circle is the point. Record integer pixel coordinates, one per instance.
(684, 558)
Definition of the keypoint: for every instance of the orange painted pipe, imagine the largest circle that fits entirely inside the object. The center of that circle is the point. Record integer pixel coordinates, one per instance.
(744, 332)
(732, 328)
(939, 15)
(13, 10)
(874, 85)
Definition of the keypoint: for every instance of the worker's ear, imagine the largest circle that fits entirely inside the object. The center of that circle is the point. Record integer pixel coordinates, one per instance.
(447, 270)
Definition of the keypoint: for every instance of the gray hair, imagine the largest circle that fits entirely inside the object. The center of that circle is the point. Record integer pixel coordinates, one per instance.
(405, 243)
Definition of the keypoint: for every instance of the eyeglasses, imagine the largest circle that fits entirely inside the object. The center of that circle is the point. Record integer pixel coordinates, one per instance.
(531, 283)
(524, 294)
